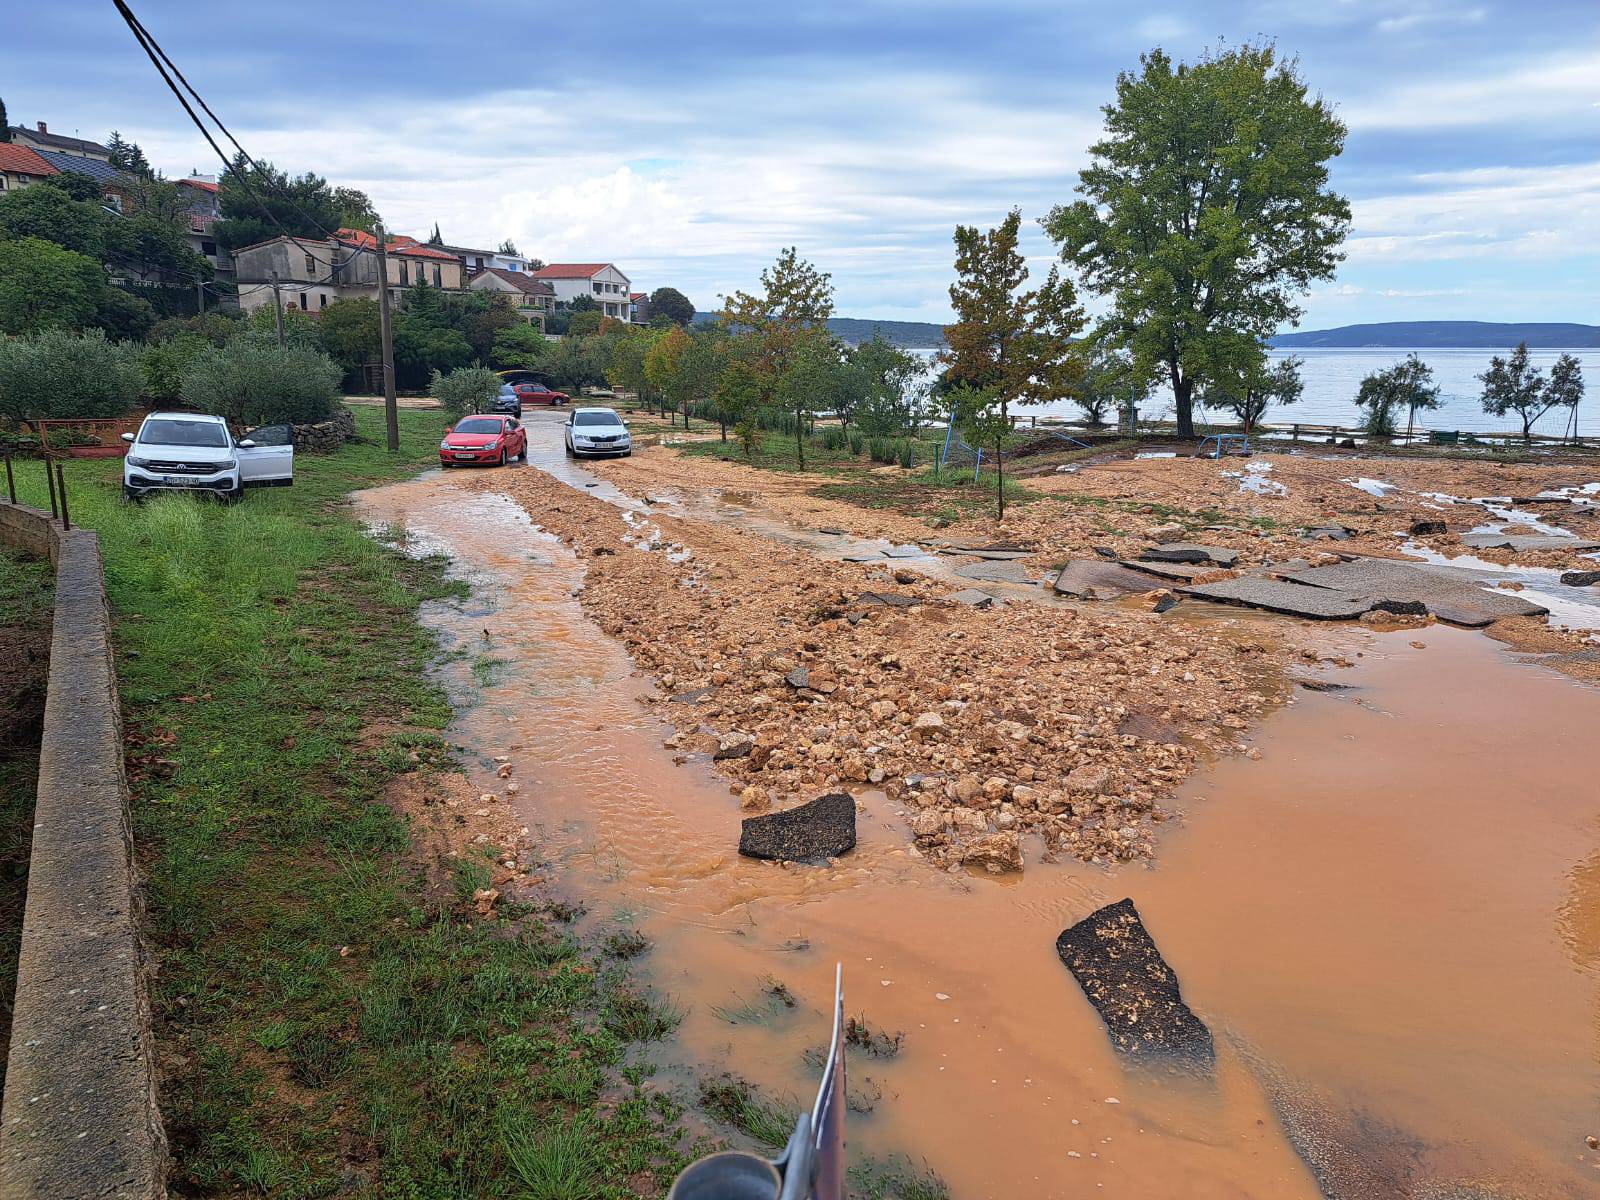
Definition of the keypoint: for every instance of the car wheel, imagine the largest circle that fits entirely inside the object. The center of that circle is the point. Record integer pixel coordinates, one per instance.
(502, 461)
(131, 496)
(233, 495)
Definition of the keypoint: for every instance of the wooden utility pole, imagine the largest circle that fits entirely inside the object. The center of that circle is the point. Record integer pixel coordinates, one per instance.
(200, 297)
(277, 306)
(391, 410)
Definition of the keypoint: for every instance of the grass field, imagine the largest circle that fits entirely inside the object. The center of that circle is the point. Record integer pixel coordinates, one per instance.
(323, 1030)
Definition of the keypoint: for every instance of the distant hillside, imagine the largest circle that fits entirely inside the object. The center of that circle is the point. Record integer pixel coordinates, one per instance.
(910, 335)
(1486, 335)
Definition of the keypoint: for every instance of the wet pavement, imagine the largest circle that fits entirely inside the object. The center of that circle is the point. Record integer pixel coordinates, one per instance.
(1391, 921)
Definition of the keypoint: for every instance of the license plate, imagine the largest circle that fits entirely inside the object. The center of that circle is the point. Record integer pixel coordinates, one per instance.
(466, 456)
(174, 480)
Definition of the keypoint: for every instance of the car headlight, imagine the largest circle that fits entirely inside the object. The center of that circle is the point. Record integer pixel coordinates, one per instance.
(490, 445)
(137, 462)
(444, 445)
(229, 465)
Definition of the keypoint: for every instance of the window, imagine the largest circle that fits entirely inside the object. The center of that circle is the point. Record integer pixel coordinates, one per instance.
(209, 249)
(311, 267)
(405, 272)
(322, 300)
(438, 276)
(303, 304)
(599, 288)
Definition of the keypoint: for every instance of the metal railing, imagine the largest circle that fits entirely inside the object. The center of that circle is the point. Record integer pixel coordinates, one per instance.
(55, 481)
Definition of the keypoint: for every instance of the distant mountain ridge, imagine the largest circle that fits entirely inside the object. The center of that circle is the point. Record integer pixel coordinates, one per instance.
(1421, 335)
(908, 335)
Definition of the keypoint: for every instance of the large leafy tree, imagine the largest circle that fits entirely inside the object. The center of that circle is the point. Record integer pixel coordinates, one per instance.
(128, 156)
(1206, 212)
(520, 346)
(43, 286)
(891, 388)
(784, 323)
(303, 205)
(1008, 345)
(672, 304)
(1515, 385)
(1111, 384)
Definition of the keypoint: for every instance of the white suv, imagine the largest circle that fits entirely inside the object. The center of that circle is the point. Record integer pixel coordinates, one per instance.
(192, 452)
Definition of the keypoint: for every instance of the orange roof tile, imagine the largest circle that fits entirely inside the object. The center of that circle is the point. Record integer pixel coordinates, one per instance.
(23, 160)
(570, 270)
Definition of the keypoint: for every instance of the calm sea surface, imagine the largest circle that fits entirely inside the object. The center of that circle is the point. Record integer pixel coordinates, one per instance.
(1332, 378)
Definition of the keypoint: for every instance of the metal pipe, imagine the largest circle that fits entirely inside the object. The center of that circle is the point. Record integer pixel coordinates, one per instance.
(50, 482)
(61, 487)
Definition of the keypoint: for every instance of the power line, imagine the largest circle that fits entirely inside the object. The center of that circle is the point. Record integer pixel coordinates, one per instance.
(157, 57)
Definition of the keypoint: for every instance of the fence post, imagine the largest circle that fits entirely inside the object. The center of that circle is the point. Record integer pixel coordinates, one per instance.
(50, 482)
(61, 487)
(11, 482)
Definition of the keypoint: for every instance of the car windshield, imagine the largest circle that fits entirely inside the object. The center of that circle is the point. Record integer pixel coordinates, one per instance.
(173, 432)
(478, 425)
(595, 418)
(507, 390)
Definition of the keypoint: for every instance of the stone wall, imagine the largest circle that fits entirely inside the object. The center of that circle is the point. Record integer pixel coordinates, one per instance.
(79, 1117)
(326, 437)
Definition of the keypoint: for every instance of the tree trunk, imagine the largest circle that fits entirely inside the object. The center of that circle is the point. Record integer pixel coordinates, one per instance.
(799, 443)
(1000, 478)
(1527, 428)
(722, 423)
(1183, 393)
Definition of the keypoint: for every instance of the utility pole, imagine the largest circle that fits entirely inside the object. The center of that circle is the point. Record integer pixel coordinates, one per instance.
(200, 296)
(277, 306)
(391, 410)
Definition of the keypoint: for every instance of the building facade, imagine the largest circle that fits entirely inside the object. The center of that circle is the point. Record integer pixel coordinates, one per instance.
(601, 282)
(532, 298)
(42, 139)
(312, 274)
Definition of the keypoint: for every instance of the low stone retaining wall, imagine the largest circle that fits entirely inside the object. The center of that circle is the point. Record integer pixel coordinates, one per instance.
(79, 1117)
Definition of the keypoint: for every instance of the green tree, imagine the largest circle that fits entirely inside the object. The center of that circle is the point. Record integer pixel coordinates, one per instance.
(1007, 345)
(5, 123)
(50, 211)
(584, 322)
(661, 369)
(509, 247)
(1206, 212)
(303, 205)
(518, 346)
(254, 384)
(484, 316)
(43, 286)
(57, 374)
(352, 334)
(783, 324)
(127, 156)
(1407, 386)
(436, 238)
(892, 389)
(260, 328)
(672, 304)
(1111, 383)
(582, 304)
(1514, 384)
(166, 362)
(1250, 392)
(465, 390)
(626, 370)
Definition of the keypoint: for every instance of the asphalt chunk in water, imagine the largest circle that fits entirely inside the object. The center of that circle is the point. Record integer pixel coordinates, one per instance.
(1182, 571)
(1526, 544)
(997, 572)
(1115, 961)
(1449, 595)
(822, 828)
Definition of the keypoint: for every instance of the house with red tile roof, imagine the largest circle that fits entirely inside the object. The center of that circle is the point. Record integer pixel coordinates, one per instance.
(601, 282)
(532, 298)
(21, 165)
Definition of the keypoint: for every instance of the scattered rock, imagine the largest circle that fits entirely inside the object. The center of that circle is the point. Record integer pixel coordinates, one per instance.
(971, 597)
(1580, 578)
(734, 745)
(1089, 579)
(823, 828)
(927, 725)
(1090, 777)
(997, 853)
(1114, 959)
(1191, 552)
(1428, 528)
(798, 678)
(1166, 533)
(905, 575)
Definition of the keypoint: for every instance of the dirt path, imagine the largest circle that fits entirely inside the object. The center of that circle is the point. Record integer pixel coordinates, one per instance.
(1389, 918)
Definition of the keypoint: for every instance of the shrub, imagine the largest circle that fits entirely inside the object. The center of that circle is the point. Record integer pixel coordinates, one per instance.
(908, 456)
(465, 390)
(165, 363)
(54, 373)
(254, 384)
(857, 443)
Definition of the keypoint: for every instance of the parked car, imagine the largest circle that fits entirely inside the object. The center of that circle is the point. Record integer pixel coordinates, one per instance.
(596, 431)
(475, 441)
(192, 452)
(507, 402)
(537, 393)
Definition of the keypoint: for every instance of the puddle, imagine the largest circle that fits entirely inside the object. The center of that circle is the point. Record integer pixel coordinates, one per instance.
(1254, 478)
(1372, 487)
(1385, 906)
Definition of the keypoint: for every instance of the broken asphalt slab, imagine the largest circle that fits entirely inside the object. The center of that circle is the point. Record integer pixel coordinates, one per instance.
(1095, 579)
(1183, 572)
(1449, 594)
(1290, 599)
(997, 572)
(972, 598)
(1526, 544)
(1115, 961)
(823, 828)
(1191, 552)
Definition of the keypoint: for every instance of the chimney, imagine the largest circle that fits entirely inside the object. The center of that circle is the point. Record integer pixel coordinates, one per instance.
(43, 128)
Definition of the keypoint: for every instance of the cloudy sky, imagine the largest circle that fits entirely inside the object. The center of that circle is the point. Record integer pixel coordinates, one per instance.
(689, 142)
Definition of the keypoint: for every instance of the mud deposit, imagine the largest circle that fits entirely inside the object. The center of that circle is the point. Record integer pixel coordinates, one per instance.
(1391, 921)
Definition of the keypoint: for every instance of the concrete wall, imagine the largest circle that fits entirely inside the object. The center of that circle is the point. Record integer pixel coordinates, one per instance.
(79, 1116)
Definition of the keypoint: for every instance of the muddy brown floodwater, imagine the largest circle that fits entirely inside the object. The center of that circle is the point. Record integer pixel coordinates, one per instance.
(1391, 920)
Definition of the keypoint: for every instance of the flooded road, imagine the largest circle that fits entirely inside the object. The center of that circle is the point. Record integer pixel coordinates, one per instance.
(1391, 920)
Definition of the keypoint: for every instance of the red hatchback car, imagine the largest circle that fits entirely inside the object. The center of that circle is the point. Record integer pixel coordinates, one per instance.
(537, 393)
(476, 441)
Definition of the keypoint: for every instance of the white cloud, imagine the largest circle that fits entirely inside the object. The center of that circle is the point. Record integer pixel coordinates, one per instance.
(1541, 92)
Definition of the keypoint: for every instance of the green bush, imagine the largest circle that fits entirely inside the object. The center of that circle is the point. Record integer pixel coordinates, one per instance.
(54, 373)
(833, 438)
(465, 390)
(908, 455)
(165, 363)
(858, 442)
(254, 384)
